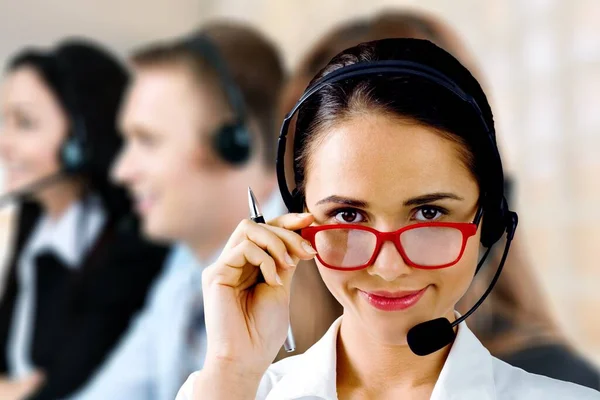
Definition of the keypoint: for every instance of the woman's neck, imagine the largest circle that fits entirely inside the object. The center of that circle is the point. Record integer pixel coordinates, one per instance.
(368, 368)
(56, 199)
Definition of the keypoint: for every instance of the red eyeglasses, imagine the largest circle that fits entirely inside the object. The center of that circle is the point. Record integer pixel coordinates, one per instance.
(428, 245)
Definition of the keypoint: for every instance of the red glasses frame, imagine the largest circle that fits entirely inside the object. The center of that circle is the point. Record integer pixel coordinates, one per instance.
(467, 230)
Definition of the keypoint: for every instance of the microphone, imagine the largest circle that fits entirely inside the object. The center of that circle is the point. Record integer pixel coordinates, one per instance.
(31, 188)
(430, 336)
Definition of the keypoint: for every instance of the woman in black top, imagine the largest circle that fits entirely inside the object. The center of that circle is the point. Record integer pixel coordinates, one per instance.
(79, 269)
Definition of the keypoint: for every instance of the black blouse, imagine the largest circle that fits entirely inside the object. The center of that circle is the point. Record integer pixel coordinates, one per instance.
(80, 313)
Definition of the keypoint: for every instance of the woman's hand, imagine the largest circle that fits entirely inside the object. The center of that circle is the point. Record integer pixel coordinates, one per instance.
(20, 389)
(247, 317)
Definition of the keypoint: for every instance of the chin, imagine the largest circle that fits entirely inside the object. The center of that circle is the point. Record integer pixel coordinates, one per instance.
(392, 327)
(156, 231)
(393, 333)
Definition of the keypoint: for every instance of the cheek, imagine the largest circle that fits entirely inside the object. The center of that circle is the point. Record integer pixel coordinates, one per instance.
(41, 156)
(455, 280)
(336, 282)
(173, 167)
(43, 148)
(188, 186)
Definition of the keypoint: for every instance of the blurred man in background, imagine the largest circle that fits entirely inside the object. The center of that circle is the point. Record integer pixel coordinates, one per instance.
(200, 121)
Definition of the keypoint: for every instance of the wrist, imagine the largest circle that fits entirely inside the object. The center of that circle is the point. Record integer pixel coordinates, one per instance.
(227, 380)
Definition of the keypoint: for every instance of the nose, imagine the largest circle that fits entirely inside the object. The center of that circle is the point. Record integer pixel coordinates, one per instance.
(389, 264)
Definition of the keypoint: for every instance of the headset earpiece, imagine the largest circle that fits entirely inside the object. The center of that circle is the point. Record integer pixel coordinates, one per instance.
(496, 221)
(232, 141)
(72, 156)
(232, 144)
(512, 225)
(73, 152)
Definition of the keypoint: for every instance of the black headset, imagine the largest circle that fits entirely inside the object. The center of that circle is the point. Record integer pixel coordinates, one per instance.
(498, 217)
(74, 153)
(232, 140)
(432, 335)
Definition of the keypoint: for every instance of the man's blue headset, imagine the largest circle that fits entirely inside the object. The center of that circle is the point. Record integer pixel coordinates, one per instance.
(232, 140)
(74, 152)
(429, 336)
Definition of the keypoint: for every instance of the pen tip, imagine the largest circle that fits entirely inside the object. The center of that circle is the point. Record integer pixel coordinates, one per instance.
(253, 204)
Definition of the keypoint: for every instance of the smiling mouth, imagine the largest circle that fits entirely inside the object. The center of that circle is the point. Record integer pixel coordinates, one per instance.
(393, 301)
(143, 203)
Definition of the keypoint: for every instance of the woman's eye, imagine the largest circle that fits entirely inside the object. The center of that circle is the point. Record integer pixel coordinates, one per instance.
(428, 214)
(349, 217)
(146, 140)
(25, 123)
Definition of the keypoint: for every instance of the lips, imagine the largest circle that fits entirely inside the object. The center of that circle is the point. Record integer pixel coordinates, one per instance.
(143, 203)
(393, 301)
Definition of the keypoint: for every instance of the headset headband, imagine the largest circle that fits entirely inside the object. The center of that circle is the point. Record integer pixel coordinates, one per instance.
(204, 46)
(74, 152)
(370, 68)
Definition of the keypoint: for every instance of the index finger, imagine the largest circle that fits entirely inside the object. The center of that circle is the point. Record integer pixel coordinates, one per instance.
(292, 221)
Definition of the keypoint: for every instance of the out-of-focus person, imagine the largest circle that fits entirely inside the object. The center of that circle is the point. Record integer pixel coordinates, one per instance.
(78, 269)
(200, 121)
(515, 322)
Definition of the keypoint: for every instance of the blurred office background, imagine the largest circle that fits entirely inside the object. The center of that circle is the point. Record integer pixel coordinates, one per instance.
(541, 63)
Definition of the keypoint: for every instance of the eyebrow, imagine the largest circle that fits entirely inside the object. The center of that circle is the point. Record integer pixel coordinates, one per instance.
(415, 201)
(21, 107)
(431, 197)
(344, 200)
(134, 129)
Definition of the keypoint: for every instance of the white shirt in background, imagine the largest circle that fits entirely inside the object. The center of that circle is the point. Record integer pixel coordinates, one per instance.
(69, 238)
(151, 362)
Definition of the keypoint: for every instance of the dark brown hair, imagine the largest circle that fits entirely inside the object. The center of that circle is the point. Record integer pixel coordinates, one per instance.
(252, 61)
(404, 97)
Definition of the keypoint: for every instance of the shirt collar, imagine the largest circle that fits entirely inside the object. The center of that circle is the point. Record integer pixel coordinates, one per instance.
(64, 236)
(467, 373)
(183, 260)
(312, 373)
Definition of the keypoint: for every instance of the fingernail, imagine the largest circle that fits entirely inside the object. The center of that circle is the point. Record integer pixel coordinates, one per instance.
(308, 248)
(289, 260)
(303, 215)
(278, 279)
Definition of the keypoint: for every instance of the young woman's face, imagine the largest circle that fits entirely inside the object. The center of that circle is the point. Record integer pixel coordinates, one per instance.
(33, 128)
(385, 173)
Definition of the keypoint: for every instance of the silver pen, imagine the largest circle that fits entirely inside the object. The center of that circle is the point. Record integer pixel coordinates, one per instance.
(255, 215)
